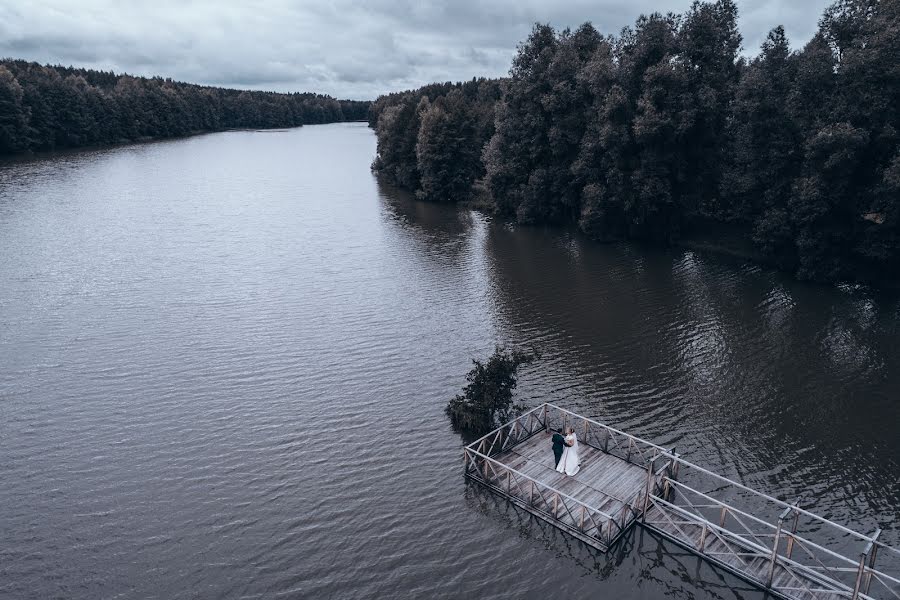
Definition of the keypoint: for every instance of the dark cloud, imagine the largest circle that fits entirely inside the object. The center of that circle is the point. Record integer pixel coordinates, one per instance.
(346, 48)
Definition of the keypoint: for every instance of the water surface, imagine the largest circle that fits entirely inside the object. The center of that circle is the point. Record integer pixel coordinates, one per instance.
(224, 359)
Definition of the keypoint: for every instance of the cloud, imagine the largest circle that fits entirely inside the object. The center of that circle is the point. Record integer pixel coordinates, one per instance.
(346, 48)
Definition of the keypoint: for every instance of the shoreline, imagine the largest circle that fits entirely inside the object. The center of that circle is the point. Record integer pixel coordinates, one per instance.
(42, 154)
(715, 242)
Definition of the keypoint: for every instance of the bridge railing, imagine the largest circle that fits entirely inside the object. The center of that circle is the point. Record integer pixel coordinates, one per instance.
(603, 437)
(574, 514)
(605, 527)
(862, 564)
(509, 434)
(698, 520)
(856, 565)
(837, 551)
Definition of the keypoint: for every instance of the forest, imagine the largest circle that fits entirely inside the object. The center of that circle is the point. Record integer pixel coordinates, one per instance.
(667, 130)
(46, 108)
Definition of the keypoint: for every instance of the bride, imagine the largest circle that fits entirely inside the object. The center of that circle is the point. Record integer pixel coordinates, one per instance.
(568, 464)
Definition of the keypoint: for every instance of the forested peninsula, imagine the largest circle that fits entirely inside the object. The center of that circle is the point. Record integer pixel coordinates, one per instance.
(666, 132)
(46, 108)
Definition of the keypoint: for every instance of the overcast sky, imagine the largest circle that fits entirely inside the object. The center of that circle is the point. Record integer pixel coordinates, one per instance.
(346, 48)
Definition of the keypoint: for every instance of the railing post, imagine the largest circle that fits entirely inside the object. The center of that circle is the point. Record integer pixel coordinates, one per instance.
(723, 516)
(555, 505)
(781, 519)
(606, 440)
(775, 552)
(859, 574)
(648, 490)
(794, 522)
(872, 551)
(546, 424)
(702, 539)
(531, 494)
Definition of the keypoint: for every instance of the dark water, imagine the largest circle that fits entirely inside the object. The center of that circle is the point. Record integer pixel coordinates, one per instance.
(224, 363)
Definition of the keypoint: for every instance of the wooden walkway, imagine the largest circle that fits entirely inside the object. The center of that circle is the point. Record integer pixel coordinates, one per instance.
(625, 480)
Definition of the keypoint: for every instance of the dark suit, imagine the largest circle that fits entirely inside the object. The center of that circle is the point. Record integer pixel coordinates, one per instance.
(559, 444)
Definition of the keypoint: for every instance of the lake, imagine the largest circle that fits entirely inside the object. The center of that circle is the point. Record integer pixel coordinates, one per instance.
(224, 362)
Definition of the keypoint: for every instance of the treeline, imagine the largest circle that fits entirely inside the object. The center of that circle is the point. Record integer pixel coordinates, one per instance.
(54, 107)
(665, 131)
(430, 139)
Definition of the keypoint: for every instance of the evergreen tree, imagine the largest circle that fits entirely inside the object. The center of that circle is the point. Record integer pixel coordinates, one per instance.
(44, 107)
(604, 163)
(662, 119)
(446, 149)
(764, 145)
(13, 118)
(515, 157)
(665, 129)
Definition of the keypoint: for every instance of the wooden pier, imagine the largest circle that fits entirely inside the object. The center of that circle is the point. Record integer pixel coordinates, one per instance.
(624, 481)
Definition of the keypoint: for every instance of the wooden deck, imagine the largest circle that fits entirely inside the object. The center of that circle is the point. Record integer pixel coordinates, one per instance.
(604, 481)
(625, 480)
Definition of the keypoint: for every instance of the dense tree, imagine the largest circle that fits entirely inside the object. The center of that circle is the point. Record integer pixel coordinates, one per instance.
(487, 399)
(13, 116)
(661, 121)
(446, 149)
(666, 130)
(708, 46)
(44, 108)
(603, 168)
(430, 139)
(517, 155)
(762, 139)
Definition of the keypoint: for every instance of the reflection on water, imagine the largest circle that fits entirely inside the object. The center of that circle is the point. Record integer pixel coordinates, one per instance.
(755, 375)
(225, 359)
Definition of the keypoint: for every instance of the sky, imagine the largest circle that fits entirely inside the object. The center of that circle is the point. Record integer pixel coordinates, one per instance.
(346, 48)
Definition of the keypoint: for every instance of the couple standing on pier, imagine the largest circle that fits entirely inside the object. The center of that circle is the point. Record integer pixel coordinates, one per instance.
(565, 451)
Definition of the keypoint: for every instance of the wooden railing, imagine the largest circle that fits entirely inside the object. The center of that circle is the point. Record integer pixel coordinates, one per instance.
(509, 434)
(763, 531)
(749, 541)
(601, 436)
(575, 515)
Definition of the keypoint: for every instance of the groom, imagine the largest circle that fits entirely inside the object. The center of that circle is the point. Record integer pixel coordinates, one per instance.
(559, 444)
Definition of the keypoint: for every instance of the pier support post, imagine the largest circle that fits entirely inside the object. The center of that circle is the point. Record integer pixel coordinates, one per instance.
(774, 559)
(872, 551)
(649, 489)
(859, 575)
(702, 539)
(794, 522)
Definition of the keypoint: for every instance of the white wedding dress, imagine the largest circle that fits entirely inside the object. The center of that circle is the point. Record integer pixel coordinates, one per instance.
(568, 464)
